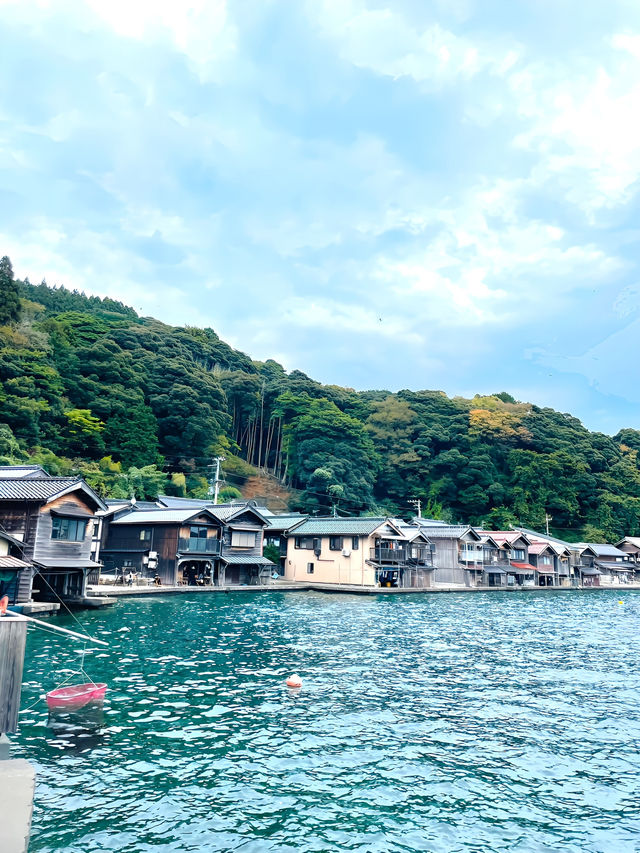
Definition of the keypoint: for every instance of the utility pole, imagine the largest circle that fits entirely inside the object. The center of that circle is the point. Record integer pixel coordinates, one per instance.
(216, 482)
(547, 519)
(418, 505)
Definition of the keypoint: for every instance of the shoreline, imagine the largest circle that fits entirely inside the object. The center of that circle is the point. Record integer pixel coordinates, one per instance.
(338, 589)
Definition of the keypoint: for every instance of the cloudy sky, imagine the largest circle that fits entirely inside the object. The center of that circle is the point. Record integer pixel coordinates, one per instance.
(382, 193)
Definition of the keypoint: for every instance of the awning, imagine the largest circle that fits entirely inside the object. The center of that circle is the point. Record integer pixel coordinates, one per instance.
(71, 512)
(237, 560)
(590, 571)
(495, 570)
(71, 565)
(544, 570)
(12, 563)
(523, 568)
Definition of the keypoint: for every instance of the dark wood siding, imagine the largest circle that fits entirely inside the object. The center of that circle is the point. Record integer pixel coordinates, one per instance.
(47, 548)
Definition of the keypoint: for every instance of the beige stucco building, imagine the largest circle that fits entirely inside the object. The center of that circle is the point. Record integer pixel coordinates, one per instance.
(358, 551)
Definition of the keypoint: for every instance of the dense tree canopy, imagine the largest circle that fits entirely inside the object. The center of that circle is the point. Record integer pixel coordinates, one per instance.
(138, 406)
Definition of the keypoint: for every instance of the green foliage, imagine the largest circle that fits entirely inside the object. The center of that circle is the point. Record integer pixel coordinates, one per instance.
(272, 552)
(229, 493)
(138, 407)
(9, 294)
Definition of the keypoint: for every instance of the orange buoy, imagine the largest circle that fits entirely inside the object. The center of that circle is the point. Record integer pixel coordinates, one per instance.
(4, 603)
(294, 681)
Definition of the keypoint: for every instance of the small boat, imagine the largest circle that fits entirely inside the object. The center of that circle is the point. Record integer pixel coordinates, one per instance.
(76, 696)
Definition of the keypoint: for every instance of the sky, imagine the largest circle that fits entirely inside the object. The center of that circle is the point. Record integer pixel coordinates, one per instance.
(435, 194)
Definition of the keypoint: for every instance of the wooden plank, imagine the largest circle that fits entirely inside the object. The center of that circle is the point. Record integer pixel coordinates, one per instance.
(13, 635)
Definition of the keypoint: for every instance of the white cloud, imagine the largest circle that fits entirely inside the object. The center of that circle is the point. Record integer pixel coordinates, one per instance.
(382, 40)
(582, 122)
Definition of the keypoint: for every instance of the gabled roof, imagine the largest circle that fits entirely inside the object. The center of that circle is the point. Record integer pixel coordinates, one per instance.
(228, 514)
(604, 550)
(17, 472)
(450, 531)
(540, 548)
(631, 540)
(488, 540)
(544, 537)
(508, 536)
(181, 503)
(45, 489)
(163, 516)
(330, 526)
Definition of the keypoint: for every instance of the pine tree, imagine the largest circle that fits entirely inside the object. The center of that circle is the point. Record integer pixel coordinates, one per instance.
(10, 307)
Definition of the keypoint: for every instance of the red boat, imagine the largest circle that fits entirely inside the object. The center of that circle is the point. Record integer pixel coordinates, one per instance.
(76, 696)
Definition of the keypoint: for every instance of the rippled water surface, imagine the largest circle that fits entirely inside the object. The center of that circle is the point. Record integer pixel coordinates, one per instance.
(505, 721)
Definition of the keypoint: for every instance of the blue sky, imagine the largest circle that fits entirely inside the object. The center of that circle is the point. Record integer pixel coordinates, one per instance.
(432, 194)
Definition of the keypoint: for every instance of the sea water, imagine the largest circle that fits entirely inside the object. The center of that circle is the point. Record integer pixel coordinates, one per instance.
(458, 722)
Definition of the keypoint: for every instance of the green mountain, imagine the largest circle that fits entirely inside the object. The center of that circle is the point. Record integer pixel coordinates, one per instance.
(138, 406)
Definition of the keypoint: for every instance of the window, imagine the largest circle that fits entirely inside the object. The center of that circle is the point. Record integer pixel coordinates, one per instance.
(69, 529)
(335, 543)
(310, 568)
(145, 534)
(242, 539)
(517, 554)
(196, 533)
(304, 542)
(546, 560)
(96, 528)
(355, 543)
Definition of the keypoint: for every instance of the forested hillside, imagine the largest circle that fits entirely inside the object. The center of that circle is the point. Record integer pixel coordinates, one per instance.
(137, 406)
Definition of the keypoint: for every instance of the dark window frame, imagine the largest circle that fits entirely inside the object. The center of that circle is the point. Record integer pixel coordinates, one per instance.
(335, 543)
(64, 529)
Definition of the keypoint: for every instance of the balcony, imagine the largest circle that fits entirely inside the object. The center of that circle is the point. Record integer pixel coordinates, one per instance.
(199, 546)
(413, 556)
(471, 555)
(388, 555)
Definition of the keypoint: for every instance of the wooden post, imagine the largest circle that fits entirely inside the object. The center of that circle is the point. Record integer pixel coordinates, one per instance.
(13, 635)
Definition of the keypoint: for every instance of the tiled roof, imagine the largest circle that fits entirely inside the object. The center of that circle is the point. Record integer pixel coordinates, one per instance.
(16, 472)
(34, 488)
(180, 503)
(284, 522)
(160, 516)
(447, 531)
(338, 526)
(604, 550)
(631, 540)
(238, 560)
(539, 547)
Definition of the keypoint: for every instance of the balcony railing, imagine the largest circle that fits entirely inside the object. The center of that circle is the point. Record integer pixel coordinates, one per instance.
(414, 556)
(471, 556)
(199, 546)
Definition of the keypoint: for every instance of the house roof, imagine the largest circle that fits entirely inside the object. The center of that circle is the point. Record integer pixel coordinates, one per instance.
(8, 562)
(179, 503)
(631, 540)
(239, 560)
(540, 548)
(525, 567)
(505, 536)
(284, 522)
(67, 564)
(338, 526)
(544, 537)
(604, 550)
(449, 531)
(616, 567)
(17, 472)
(162, 516)
(44, 489)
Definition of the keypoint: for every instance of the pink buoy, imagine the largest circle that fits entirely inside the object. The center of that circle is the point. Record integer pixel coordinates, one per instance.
(294, 681)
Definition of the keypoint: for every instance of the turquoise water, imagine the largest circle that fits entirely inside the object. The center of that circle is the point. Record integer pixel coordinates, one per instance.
(503, 721)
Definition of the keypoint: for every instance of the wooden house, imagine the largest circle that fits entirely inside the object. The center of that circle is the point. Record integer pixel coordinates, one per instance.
(190, 542)
(459, 553)
(613, 564)
(514, 547)
(631, 546)
(52, 519)
(358, 551)
(177, 545)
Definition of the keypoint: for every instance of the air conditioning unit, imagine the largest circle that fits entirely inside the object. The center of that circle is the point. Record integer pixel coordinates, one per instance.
(346, 552)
